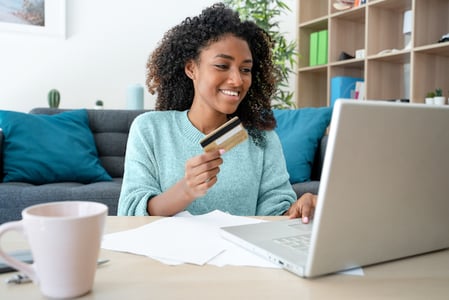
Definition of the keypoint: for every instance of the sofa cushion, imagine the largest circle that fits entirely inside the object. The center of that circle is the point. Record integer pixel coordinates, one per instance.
(110, 128)
(300, 131)
(41, 149)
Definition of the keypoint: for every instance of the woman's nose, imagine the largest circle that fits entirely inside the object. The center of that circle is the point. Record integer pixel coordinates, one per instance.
(235, 77)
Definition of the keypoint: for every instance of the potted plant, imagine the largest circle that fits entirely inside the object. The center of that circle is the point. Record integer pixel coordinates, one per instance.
(54, 98)
(429, 98)
(98, 104)
(266, 14)
(439, 99)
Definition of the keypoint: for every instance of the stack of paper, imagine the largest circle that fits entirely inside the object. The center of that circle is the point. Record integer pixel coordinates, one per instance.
(185, 238)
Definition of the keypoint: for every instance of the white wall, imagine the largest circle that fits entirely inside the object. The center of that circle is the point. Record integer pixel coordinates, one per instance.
(106, 49)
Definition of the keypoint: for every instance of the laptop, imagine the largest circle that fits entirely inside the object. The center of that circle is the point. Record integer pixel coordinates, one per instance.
(384, 193)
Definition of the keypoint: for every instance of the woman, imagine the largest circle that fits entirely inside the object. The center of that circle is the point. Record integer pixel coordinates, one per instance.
(205, 71)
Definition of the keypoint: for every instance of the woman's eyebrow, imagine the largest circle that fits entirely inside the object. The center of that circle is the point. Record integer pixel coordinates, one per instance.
(248, 60)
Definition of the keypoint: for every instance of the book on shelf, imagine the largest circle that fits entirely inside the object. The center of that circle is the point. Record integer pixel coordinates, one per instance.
(313, 49)
(322, 47)
(357, 3)
(359, 93)
(318, 48)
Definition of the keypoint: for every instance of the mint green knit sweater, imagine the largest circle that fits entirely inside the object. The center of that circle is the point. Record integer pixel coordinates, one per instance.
(252, 180)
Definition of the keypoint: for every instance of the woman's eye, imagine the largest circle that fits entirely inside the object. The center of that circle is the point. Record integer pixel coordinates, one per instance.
(223, 67)
(246, 70)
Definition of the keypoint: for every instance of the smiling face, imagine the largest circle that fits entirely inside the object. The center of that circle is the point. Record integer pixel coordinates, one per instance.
(221, 77)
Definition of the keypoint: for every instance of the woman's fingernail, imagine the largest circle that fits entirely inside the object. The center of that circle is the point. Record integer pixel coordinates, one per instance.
(305, 220)
(222, 151)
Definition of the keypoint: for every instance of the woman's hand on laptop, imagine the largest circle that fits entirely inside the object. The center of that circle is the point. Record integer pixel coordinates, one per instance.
(303, 208)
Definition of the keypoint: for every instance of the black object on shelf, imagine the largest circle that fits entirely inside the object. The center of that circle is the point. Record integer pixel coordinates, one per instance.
(345, 56)
(444, 38)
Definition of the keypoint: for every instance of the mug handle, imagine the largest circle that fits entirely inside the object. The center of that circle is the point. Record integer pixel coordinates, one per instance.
(26, 268)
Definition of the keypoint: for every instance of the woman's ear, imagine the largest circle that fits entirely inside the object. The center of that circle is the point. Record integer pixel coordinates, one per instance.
(189, 69)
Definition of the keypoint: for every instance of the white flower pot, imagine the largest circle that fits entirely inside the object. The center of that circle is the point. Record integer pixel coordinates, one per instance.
(429, 101)
(439, 100)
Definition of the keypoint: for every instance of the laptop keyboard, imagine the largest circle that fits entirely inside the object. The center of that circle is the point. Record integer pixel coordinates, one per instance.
(297, 242)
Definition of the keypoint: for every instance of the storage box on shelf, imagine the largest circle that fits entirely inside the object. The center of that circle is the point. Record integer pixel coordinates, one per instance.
(390, 69)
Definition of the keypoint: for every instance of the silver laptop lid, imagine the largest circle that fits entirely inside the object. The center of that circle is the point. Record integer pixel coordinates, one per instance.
(384, 191)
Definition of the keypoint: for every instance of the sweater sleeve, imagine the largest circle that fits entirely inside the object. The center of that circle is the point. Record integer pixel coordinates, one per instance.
(140, 179)
(276, 194)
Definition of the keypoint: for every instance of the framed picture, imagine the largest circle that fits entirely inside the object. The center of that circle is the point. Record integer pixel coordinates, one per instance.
(37, 17)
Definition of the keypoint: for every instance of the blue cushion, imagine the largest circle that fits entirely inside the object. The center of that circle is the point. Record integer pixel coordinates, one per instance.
(41, 149)
(300, 131)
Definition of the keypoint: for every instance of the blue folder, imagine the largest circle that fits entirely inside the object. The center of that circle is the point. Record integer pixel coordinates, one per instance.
(342, 86)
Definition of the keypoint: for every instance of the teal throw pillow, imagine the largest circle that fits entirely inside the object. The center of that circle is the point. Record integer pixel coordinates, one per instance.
(300, 131)
(41, 149)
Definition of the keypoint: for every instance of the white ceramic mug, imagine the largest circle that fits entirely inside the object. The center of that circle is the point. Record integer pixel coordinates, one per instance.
(64, 238)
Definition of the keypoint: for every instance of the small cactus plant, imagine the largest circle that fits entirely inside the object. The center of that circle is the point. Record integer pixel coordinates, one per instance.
(438, 92)
(98, 104)
(54, 98)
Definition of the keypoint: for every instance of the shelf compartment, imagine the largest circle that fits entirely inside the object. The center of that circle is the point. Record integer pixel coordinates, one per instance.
(304, 37)
(354, 70)
(347, 33)
(385, 25)
(431, 21)
(386, 76)
(312, 87)
(433, 73)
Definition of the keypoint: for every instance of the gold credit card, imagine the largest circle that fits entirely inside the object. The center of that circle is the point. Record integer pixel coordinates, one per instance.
(225, 137)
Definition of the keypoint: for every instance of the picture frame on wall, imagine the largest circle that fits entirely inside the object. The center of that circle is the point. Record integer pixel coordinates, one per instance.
(35, 17)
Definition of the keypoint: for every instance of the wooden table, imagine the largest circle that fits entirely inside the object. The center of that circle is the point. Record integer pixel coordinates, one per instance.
(129, 276)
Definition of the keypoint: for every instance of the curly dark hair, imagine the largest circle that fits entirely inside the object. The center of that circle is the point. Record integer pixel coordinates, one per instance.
(184, 42)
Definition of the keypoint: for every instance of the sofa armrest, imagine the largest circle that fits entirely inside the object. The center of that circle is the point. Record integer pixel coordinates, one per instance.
(319, 159)
(301, 188)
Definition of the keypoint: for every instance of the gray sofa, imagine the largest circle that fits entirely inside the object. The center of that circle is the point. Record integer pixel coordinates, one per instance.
(110, 129)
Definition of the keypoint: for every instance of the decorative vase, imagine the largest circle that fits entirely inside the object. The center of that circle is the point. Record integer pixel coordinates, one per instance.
(134, 96)
(439, 100)
(429, 100)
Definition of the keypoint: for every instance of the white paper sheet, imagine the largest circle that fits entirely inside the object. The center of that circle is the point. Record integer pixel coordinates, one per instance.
(176, 239)
(186, 239)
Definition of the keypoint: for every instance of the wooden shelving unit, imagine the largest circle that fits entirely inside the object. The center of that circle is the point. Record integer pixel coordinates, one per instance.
(375, 26)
